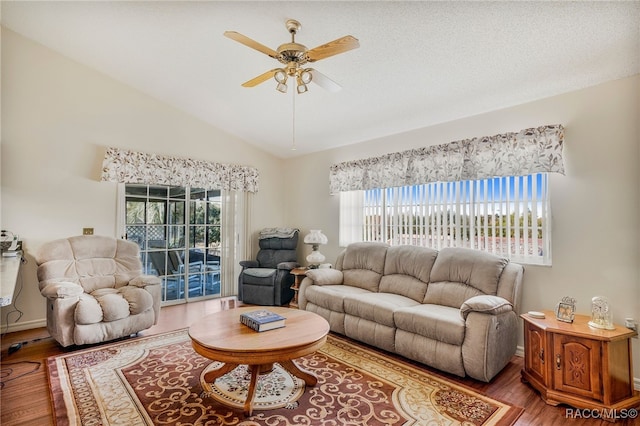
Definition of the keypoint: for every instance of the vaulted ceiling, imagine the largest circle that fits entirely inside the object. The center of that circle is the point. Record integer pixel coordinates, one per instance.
(419, 63)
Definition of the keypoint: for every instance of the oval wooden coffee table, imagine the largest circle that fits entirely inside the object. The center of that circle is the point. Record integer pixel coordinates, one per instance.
(221, 337)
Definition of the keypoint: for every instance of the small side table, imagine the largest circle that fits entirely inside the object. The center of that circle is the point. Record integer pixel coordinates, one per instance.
(580, 366)
(299, 274)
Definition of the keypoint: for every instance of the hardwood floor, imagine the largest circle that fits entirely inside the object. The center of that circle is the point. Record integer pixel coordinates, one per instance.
(25, 392)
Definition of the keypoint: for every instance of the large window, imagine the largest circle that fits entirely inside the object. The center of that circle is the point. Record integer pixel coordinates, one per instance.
(508, 216)
(178, 230)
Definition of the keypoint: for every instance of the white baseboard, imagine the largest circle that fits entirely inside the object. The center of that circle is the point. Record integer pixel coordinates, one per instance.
(636, 380)
(27, 325)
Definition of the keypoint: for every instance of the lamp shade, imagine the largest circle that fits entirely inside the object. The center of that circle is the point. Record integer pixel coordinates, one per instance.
(315, 237)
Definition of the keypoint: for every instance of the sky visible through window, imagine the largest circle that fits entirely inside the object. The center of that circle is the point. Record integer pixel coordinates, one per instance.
(503, 215)
(491, 194)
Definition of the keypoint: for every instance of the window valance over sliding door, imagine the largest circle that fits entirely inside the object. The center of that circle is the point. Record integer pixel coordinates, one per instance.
(125, 166)
(520, 153)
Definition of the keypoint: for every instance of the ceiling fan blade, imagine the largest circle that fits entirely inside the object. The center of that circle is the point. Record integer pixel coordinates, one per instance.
(260, 79)
(251, 43)
(324, 81)
(334, 47)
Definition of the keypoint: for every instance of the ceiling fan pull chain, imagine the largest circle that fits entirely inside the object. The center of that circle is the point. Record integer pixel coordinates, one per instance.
(293, 125)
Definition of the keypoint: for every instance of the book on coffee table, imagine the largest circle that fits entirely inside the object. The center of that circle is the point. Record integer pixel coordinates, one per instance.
(262, 320)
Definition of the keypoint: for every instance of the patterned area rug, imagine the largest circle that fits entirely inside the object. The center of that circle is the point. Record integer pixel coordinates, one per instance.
(156, 380)
(277, 389)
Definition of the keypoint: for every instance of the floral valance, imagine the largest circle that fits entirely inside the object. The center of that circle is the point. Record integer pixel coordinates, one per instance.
(125, 166)
(520, 153)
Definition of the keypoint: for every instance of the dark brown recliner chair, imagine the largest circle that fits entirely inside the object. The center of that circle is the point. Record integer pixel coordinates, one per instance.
(267, 280)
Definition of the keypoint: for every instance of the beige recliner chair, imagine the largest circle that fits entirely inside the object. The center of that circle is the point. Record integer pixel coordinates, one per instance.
(95, 289)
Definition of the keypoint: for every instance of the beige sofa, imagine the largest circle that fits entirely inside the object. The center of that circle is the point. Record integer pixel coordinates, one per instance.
(455, 310)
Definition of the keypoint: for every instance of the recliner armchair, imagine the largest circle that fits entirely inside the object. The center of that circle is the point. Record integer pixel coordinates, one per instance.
(268, 280)
(95, 289)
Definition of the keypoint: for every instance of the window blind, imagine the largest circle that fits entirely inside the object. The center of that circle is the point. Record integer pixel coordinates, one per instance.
(507, 216)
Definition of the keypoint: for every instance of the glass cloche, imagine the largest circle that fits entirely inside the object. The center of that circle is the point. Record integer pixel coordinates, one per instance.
(601, 315)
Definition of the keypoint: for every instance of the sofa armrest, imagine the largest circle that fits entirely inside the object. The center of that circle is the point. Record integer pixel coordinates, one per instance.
(490, 341)
(325, 276)
(320, 276)
(61, 290)
(249, 264)
(288, 265)
(145, 280)
(486, 304)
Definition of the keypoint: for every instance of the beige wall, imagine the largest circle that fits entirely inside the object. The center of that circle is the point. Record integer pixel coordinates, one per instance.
(57, 119)
(595, 206)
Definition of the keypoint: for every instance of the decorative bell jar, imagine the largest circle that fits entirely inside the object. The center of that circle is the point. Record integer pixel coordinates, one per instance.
(601, 315)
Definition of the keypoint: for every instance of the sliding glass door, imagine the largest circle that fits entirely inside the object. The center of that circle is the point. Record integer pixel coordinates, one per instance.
(203, 232)
(178, 230)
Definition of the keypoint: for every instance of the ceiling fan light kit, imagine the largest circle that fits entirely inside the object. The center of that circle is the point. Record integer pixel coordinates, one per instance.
(293, 56)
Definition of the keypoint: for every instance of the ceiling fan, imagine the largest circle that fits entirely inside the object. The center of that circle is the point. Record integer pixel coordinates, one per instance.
(294, 56)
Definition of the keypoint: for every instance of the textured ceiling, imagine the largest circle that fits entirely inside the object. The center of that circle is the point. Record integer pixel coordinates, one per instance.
(419, 63)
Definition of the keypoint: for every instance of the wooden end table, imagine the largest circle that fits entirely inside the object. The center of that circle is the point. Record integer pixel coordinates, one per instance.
(581, 366)
(299, 274)
(221, 337)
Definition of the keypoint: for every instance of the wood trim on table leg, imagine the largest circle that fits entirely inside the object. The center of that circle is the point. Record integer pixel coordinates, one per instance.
(292, 368)
(212, 375)
(255, 372)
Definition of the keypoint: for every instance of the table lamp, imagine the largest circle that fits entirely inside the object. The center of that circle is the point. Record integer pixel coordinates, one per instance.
(314, 238)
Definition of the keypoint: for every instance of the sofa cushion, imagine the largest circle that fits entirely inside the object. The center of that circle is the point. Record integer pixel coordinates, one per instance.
(363, 265)
(96, 273)
(259, 272)
(92, 261)
(331, 297)
(127, 263)
(101, 260)
(139, 300)
(114, 306)
(376, 307)
(264, 277)
(324, 276)
(450, 294)
(88, 310)
(460, 273)
(96, 247)
(407, 270)
(58, 269)
(109, 304)
(441, 323)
